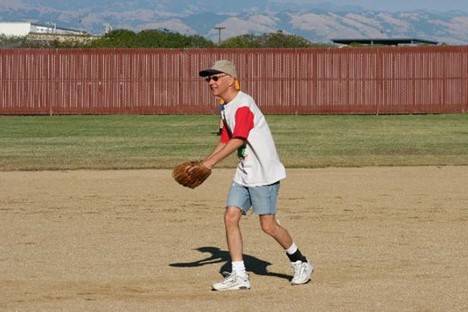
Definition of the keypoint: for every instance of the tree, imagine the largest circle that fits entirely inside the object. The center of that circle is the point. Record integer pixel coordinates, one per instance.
(242, 41)
(267, 40)
(11, 42)
(281, 40)
(150, 38)
(27, 42)
(157, 38)
(166, 39)
(119, 38)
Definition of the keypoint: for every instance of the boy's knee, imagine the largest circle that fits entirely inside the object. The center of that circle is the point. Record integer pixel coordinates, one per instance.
(269, 228)
(232, 216)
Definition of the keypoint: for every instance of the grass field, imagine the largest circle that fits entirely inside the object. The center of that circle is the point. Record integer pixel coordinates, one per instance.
(121, 142)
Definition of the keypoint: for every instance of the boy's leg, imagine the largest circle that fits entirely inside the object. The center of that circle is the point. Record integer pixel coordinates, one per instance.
(232, 218)
(302, 268)
(237, 203)
(238, 278)
(271, 227)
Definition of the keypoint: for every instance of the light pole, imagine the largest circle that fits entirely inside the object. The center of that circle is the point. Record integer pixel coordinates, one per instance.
(219, 28)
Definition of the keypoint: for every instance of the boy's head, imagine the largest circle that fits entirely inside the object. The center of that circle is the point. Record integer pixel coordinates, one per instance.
(221, 66)
(222, 79)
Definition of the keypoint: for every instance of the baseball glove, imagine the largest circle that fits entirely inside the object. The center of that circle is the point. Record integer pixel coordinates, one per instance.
(191, 173)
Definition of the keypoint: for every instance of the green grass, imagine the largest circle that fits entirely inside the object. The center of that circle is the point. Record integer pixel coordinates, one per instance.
(115, 142)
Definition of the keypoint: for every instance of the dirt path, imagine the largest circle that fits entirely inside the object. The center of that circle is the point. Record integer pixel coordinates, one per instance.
(382, 239)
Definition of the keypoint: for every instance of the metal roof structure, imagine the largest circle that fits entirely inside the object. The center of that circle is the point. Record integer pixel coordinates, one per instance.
(20, 29)
(385, 41)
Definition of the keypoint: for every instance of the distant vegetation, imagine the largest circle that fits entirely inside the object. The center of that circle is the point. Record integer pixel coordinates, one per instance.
(269, 40)
(123, 38)
(12, 42)
(155, 38)
(25, 42)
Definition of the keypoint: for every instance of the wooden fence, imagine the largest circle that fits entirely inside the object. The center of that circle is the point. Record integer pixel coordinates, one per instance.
(283, 81)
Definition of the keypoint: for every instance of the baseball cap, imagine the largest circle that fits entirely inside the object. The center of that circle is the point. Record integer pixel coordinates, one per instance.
(221, 66)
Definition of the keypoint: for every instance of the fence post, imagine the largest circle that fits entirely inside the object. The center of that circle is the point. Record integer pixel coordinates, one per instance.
(379, 73)
(51, 82)
(465, 82)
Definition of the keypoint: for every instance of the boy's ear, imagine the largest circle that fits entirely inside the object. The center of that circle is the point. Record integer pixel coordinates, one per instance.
(233, 81)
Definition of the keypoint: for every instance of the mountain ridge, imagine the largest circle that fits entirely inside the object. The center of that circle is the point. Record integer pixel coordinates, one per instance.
(318, 23)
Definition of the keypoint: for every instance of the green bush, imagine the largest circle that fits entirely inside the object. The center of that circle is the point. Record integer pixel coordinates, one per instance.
(151, 38)
(157, 38)
(267, 40)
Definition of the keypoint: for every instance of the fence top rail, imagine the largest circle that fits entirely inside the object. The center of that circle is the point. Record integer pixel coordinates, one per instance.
(214, 51)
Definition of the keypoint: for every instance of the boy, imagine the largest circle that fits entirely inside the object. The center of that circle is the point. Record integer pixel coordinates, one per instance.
(257, 178)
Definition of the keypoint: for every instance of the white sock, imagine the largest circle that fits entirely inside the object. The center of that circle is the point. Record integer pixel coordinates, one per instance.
(292, 249)
(238, 267)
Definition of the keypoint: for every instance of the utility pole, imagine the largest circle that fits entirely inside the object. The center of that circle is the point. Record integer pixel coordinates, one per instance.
(219, 28)
(108, 28)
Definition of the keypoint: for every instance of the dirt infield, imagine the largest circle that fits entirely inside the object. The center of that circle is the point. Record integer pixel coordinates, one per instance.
(382, 239)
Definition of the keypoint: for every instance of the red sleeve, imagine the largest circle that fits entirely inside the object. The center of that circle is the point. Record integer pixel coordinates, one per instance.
(244, 123)
(224, 135)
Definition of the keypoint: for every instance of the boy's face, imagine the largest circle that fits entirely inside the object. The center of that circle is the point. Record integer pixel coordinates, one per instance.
(219, 83)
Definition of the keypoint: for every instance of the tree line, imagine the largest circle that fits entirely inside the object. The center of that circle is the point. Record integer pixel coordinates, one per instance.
(157, 38)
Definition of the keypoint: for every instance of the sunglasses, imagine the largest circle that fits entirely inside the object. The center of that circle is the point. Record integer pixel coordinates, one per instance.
(215, 78)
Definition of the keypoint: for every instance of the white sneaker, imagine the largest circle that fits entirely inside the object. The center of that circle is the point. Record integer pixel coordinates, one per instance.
(233, 281)
(302, 272)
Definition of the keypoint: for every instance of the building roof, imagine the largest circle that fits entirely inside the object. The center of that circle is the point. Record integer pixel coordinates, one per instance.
(54, 26)
(384, 41)
(23, 28)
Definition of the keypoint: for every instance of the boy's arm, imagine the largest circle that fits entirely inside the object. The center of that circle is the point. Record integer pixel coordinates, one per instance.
(230, 142)
(222, 151)
(217, 149)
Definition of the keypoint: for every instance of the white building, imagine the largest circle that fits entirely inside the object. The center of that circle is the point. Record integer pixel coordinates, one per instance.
(21, 29)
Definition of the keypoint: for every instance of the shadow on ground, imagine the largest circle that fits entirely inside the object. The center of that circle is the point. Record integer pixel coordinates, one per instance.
(252, 264)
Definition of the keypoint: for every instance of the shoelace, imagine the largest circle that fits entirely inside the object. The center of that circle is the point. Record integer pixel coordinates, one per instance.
(228, 276)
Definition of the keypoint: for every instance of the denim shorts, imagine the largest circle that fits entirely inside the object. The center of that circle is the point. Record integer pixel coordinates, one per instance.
(262, 199)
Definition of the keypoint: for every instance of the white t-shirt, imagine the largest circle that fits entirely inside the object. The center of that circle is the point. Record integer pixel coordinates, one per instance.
(259, 161)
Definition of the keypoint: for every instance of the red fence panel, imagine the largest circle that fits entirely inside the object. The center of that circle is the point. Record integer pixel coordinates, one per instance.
(284, 81)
